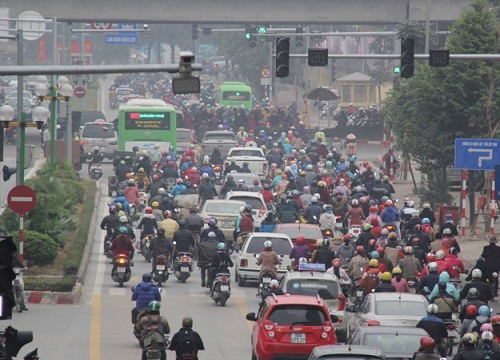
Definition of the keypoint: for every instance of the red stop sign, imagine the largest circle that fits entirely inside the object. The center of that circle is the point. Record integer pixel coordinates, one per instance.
(79, 92)
(21, 199)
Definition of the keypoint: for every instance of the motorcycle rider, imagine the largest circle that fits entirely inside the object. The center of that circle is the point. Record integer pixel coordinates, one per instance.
(110, 223)
(156, 184)
(491, 254)
(120, 198)
(194, 222)
(386, 284)
(142, 178)
(484, 289)
(131, 192)
(268, 224)
(398, 281)
(148, 224)
(229, 185)
(216, 157)
(143, 294)
(371, 278)
(355, 214)
(160, 245)
(429, 281)
(121, 171)
(346, 250)
(232, 167)
(267, 194)
(186, 342)
(273, 289)
(122, 244)
(410, 265)
(268, 259)
(365, 236)
(358, 263)
(169, 225)
(245, 169)
(313, 212)
(299, 250)
(221, 262)
(206, 168)
(467, 349)
(390, 216)
(207, 189)
(212, 227)
(178, 188)
(445, 302)
(472, 299)
(426, 350)
(455, 265)
(450, 288)
(153, 322)
(434, 326)
(183, 238)
(449, 224)
(324, 255)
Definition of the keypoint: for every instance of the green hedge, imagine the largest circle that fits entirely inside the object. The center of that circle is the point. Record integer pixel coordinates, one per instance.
(75, 254)
(39, 249)
(49, 284)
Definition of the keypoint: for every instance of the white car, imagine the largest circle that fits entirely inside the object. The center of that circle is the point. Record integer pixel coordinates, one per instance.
(246, 268)
(254, 156)
(255, 200)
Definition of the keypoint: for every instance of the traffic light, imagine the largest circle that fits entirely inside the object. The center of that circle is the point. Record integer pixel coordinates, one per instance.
(7, 274)
(207, 31)
(282, 57)
(195, 32)
(407, 57)
(15, 340)
(8, 172)
(299, 40)
(250, 35)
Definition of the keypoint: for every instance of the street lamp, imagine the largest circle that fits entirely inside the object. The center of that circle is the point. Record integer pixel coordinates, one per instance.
(40, 115)
(67, 91)
(6, 115)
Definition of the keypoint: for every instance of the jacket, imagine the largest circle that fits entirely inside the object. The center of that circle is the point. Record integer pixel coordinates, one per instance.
(161, 246)
(144, 293)
(311, 212)
(170, 226)
(357, 266)
(389, 215)
(131, 194)
(184, 240)
(268, 261)
(429, 281)
(110, 223)
(118, 247)
(323, 256)
(267, 225)
(401, 285)
(485, 293)
(455, 266)
(364, 237)
(450, 288)
(410, 266)
(174, 344)
(219, 235)
(327, 221)
(148, 224)
(154, 318)
(346, 253)
(385, 287)
(194, 222)
(426, 355)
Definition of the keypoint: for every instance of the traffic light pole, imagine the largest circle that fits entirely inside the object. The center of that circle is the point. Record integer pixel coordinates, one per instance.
(20, 113)
(53, 117)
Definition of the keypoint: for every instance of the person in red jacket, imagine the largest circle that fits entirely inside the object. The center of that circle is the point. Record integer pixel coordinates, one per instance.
(455, 265)
(370, 278)
(376, 229)
(267, 194)
(495, 322)
(442, 265)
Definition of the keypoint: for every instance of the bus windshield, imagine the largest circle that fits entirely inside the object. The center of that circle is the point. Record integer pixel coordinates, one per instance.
(235, 94)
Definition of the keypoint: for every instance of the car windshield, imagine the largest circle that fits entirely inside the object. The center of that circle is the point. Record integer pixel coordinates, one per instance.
(280, 245)
(222, 208)
(297, 314)
(254, 202)
(98, 131)
(393, 344)
(293, 232)
(249, 178)
(246, 153)
(124, 92)
(220, 136)
(327, 289)
(395, 307)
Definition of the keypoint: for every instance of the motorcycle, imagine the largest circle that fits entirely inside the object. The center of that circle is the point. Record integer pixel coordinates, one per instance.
(121, 269)
(112, 185)
(453, 335)
(160, 273)
(354, 231)
(221, 288)
(18, 292)
(218, 174)
(95, 171)
(134, 213)
(108, 239)
(356, 292)
(183, 266)
(113, 104)
(413, 284)
(338, 227)
(146, 247)
(265, 279)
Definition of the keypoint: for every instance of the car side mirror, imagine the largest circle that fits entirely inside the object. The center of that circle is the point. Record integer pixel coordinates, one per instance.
(251, 317)
(334, 318)
(350, 308)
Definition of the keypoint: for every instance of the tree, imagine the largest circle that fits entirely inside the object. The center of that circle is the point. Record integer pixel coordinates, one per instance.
(438, 105)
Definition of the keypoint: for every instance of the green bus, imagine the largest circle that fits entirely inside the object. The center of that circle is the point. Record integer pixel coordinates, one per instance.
(235, 94)
(146, 122)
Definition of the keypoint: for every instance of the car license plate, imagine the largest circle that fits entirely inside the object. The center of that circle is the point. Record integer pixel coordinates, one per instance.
(298, 338)
(160, 267)
(266, 280)
(120, 269)
(359, 293)
(224, 288)
(184, 269)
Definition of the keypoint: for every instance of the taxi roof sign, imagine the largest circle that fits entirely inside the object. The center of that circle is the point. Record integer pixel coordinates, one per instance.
(312, 267)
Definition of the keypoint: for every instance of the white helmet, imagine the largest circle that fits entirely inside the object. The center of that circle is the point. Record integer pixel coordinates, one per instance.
(211, 234)
(447, 231)
(432, 267)
(476, 273)
(485, 336)
(274, 284)
(440, 254)
(157, 146)
(123, 219)
(432, 309)
(355, 202)
(268, 244)
(161, 191)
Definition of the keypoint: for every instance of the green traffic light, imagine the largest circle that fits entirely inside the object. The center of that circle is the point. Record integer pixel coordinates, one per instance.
(397, 69)
(262, 30)
(247, 35)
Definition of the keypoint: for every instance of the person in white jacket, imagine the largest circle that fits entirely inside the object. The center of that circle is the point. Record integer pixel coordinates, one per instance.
(340, 273)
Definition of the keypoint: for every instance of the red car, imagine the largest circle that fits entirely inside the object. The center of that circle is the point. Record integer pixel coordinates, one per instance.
(311, 232)
(289, 326)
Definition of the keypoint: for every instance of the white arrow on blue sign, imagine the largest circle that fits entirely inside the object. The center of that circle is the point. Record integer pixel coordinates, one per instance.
(477, 154)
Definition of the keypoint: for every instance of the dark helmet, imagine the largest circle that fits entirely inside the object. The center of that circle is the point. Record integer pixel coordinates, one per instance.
(120, 193)
(187, 321)
(182, 223)
(146, 277)
(160, 231)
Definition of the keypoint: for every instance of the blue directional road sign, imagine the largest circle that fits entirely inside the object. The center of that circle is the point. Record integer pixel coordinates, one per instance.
(123, 37)
(477, 154)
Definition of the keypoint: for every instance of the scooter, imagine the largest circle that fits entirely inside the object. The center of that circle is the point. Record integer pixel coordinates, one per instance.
(265, 279)
(412, 284)
(221, 288)
(160, 273)
(95, 171)
(108, 239)
(338, 227)
(218, 174)
(146, 247)
(183, 266)
(354, 231)
(121, 272)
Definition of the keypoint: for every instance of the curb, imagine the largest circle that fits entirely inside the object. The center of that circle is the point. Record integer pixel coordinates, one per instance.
(69, 298)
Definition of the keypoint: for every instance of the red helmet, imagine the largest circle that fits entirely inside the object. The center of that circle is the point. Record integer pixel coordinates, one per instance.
(300, 240)
(380, 250)
(427, 343)
(156, 177)
(148, 210)
(336, 262)
(347, 237)
(167, 214)
(373, 209)
(471, 310)
(171, 163)
(431, 258)
(372, 242)
(360, 249)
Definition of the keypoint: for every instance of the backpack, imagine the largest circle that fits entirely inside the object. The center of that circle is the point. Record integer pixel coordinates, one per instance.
(153, 333)
(246, 224)
(186, 345)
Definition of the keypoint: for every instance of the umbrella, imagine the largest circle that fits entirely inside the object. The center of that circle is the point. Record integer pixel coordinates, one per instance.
(321, 94)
